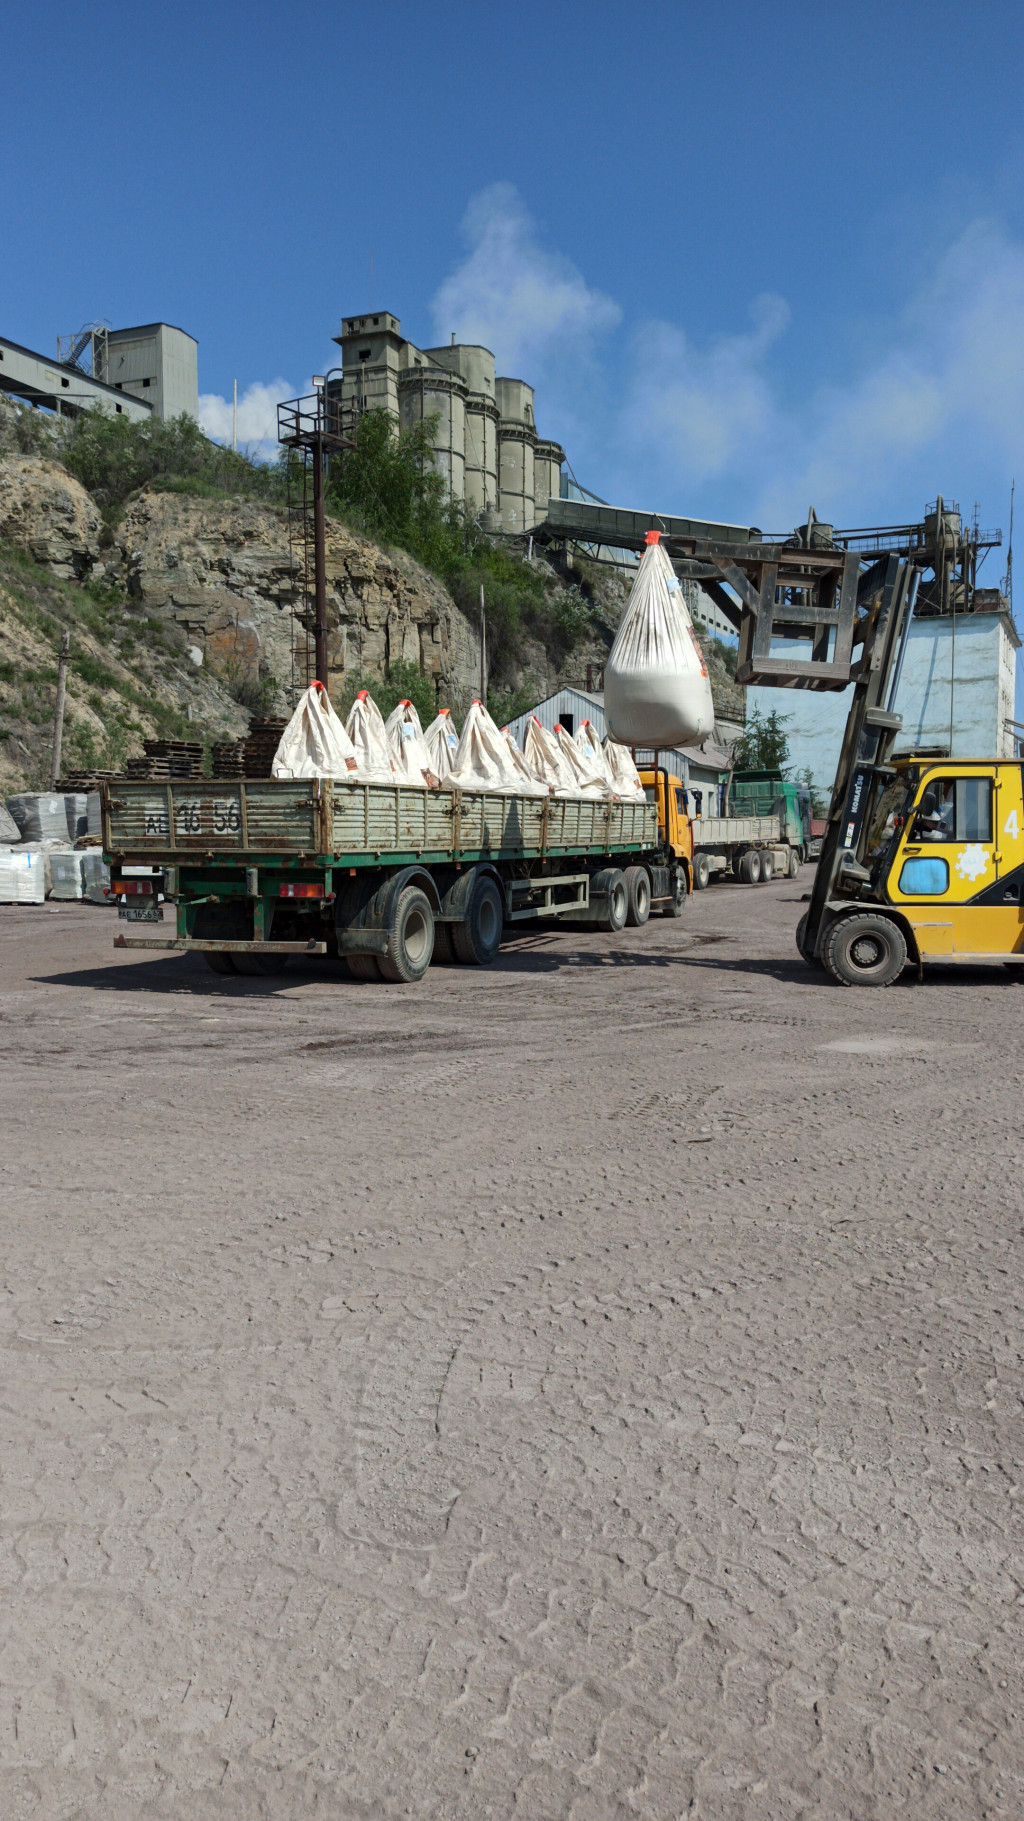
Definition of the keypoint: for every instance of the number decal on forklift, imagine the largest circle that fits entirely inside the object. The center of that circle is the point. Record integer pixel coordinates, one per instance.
(1010, 825)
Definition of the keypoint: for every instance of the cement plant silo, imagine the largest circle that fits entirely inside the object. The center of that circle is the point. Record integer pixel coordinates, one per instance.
(476, 366)
(429, 391)
(547, 477)
(517, 440)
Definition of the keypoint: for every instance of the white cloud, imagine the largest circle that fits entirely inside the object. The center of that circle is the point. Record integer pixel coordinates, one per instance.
(939, 408)
(512, 296)
(257, 416)
(701, 408)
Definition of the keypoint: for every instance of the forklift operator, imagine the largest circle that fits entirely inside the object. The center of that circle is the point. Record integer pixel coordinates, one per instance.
(936, 818)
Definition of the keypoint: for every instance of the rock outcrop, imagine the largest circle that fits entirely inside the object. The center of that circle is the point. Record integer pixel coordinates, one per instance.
(45, 512)
(222, 570)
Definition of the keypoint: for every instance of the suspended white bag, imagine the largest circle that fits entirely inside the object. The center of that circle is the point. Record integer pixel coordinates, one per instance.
(625, 777)
(408, 748)
(365, 729)
(442, 741)
(656, 688)
(484, 761)
(314, 744)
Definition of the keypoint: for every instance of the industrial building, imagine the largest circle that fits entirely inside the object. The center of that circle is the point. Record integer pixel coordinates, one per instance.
(703, 770)
(142, 373)
(486, 445)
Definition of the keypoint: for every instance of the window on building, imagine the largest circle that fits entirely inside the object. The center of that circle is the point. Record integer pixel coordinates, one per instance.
(364, 353)
(119, 409)
(568, 721)
(65, 383)
(147, 382)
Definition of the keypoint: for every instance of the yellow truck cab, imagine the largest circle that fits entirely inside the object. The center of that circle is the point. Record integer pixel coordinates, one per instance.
(945, 866)
(673, 819)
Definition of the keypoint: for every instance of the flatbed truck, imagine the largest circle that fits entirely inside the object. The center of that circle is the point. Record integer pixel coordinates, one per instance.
(384, 877)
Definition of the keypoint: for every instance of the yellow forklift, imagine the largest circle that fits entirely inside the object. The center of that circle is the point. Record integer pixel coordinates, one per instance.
(922, 859)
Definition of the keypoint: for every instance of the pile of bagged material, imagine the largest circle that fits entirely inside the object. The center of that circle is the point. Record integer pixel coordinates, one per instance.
(38, 854)
(366, 749)
(656, 687)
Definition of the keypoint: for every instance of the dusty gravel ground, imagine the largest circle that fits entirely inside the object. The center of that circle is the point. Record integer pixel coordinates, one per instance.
(587, 1388)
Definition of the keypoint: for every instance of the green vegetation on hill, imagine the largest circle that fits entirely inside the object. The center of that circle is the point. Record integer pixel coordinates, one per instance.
(127, 675)
(387, 488)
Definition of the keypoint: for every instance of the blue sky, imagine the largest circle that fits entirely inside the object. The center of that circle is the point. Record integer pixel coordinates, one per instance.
(752, 256)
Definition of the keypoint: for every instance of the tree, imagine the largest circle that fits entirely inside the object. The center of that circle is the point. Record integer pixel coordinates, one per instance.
(763, 745)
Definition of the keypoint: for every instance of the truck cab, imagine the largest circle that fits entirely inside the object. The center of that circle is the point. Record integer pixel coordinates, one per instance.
(768, 793)
(668, 792)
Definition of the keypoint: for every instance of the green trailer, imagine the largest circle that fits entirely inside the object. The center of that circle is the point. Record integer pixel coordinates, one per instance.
(383, 876)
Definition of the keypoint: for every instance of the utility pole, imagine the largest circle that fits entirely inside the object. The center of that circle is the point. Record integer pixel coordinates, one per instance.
(319, 557)
(58, 712)
(234, 422)
(483, 648)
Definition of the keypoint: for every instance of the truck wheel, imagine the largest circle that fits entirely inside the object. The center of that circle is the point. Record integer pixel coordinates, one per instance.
(864, 950)
(477, 939)
(701, 873)
(793, 865)
(260, 964)
(610, 884)
(750, 867)
(638, 892)
(677, 902)
(363, 967)
(767, 867)
(443, 950)
(410, 937)
(218, 961)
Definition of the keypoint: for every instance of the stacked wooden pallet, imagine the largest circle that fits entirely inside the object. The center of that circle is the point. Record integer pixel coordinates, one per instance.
(261, 744)
(84, 780)
(165, 759)
(227, 759)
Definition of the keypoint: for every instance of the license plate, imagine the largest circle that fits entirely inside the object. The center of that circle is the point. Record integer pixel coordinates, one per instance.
(141, 913)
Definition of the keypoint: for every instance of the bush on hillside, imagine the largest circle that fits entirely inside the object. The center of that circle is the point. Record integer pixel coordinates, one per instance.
(113, 456)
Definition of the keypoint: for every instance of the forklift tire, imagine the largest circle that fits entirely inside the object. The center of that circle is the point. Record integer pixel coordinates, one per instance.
(793, 866)
(410, 938)
(477, 939)
(864, 949)
(218, 960)
(638, 891)
(767, 867)
(749, 868)
(805, 953)
(363, 967)
(701, 873)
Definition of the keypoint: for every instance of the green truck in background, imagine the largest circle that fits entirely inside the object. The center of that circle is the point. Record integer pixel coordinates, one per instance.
(767, 830)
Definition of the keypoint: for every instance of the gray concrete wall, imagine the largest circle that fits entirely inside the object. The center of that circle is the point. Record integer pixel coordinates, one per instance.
(157, 364)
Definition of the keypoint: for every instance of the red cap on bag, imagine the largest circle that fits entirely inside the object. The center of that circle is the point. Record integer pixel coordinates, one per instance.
(653, 537)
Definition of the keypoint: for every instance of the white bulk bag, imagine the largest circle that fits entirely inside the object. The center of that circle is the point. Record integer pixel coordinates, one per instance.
(520, 766)
(314, 744)
(625, 777)
(656, 688)
(22, 876)
(9, 830)
(546, 760)
(589, 779)
(484, 761)
(95, 876)
(408, 748)
(365, 729)
(66, 876)
(589, 742)
(442, 739)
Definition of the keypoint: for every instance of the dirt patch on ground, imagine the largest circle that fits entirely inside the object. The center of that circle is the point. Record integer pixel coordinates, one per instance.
(585, 1388)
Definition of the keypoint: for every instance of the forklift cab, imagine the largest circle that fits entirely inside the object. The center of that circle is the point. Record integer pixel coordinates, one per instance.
(954, 862)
